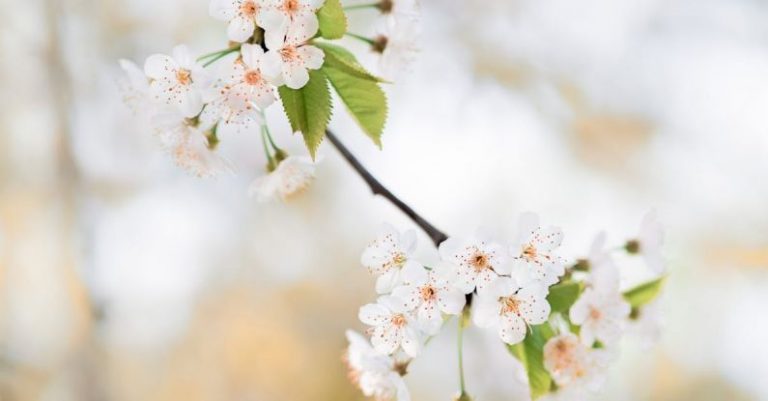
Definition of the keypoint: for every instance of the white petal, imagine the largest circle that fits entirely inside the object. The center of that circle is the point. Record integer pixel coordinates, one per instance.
(408, 295)
(303, 28)
(408, 239)
(252, 55)
(388, 281)
(191, 103)
(486, 311)
(373, 314)
(414, 273)
(183, 57)
(272, 20)
(272, 67)
(451, 301)
(512, 329)
(159, 65)
(411, 341)
(240, 29)
(295, 75)
(223, 10)
(385, 339)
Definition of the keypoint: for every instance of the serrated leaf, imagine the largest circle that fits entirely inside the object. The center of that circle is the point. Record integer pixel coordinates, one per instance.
(364, 99)
(333, 21)
(563, 295)
(308, 109)
(343, 60)
(530, 352)
(644, 293)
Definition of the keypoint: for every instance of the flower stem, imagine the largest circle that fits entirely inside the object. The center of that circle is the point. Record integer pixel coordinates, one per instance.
(217, 55)
(460, 343)
(377, 188)
(361, 38)
(271, 165)
(362, 6)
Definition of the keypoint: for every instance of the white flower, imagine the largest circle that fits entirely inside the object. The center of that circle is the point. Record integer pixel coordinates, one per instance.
(574, 366)
(289, 58)
(602, 316)
(395, 10)
(177, 81)
(534, 251)
(292, 176)
(377, 375)
(509, 308)
(393, 326)
(187, 143)
(479, 261)
(298, 15)
(389, 258)
(429, 292)
(246, 86)
(396, 44)
(649, 243)
(603, 273)
(135, 87)
(645, 324)
(242, 16)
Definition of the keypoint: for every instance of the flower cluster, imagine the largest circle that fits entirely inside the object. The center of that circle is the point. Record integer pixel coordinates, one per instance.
(572, 313)
(277, 50)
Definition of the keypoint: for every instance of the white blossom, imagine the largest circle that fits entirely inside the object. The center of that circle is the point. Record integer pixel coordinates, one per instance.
(573, 366)
(510, 308)
(390, 256)
(377, 375)
(245, 84)
(186, 141)
(299, 16)
(289, 58)
(649, 243)
(242, 16)
(135, 88)
(396, 42)
(292, 175)
(479, 261)
(393, 326)
(645, 324)
(534, 252)
(177, 81)
(603, 272)
(602, 316)
(429, 292)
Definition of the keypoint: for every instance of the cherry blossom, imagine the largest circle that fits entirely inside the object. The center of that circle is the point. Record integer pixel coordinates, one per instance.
(396, 43)
(242, 16)
(649, 243)
(573, 366)
(533, 252)
(645, 324)
(186, 141)
(479, 261)
(510, 308)
(397, 10)
(377, 375)
(292, 176)
(602, 316)
(177, 80)
(429, 292)
(297, 15)
(390, 257)
(604, 275)
(393, 326)
(135, 88)
(289, 58)
(246, 86)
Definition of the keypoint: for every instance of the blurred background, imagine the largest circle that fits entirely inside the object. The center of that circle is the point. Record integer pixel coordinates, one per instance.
(123, 278)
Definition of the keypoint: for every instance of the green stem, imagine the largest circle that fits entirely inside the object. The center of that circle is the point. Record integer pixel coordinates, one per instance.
(361, 38)
(265, 128)
(217, 56)
(362, 6)
(271, 165)
(460, 341)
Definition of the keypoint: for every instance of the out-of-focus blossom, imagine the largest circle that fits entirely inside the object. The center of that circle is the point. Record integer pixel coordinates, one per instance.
(377, 375)
(292, 176)
(177, 81)
(396, 42)
(649, 243)
(602, 316)
(575, 368)
(187, 142)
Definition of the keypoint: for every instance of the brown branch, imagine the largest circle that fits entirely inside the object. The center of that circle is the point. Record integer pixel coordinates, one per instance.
(377, 188)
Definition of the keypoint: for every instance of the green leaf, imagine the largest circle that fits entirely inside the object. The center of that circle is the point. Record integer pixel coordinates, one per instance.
(308, 109)
(343, 60)
(333, 21)
(530, 352)
(563, 295)
(364, 99)
(644, 293)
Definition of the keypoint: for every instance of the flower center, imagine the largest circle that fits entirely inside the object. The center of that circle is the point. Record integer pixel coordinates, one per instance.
(529, 252)
(379, 44)
(398, 320)
(510, 305)
(479, 261)
(291, 6)
(427, 293)
(385, 6)
(288, 53)
(249, 8)
(252, 77)
(184, 76)
(595, 314)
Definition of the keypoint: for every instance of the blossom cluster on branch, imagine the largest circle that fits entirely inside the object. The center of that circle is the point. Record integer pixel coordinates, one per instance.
(562, 319)
(277, 50)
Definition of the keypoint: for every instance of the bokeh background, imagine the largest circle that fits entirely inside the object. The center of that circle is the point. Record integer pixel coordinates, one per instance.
(122, 278)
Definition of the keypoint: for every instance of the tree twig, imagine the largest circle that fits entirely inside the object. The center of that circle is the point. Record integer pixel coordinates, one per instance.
(377, 188)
